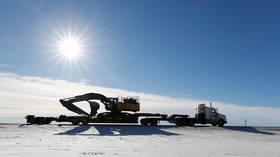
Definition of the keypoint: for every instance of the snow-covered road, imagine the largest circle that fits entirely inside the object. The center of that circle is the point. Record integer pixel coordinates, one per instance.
(120, 140)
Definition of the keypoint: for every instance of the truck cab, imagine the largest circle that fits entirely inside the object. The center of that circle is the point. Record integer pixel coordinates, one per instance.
(210, 115)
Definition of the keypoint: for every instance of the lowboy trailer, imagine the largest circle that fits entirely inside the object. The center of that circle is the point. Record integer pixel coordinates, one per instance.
(116, 114)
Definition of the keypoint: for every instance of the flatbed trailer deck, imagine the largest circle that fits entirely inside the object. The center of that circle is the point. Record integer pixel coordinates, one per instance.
(146, 119)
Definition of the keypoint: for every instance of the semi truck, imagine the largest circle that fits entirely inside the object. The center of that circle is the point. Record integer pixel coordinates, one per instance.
(126, 110)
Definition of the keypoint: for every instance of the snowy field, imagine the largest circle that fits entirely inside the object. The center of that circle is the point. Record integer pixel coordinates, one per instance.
(137, 141)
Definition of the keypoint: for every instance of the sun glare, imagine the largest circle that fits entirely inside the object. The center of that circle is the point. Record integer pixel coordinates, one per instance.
(70, 47)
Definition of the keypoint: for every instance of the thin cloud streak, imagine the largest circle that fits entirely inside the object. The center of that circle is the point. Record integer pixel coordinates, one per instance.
(22, 95)
(5, 66)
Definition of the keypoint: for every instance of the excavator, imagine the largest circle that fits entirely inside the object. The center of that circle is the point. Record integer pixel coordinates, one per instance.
(114, 106)
(124, 110)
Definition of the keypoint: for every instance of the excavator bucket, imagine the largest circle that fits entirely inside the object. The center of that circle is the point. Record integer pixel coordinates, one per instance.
(73, 108)
(94, 106)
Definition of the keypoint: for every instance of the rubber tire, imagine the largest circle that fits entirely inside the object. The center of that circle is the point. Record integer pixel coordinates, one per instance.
(42, 121)
(190, 124)
(179, 122)
(221, 123)
(153, 122)
(144, 122)
(75, 121)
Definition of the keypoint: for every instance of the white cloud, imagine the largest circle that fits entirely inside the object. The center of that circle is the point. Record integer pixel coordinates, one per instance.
(22, 95)
(5, 66)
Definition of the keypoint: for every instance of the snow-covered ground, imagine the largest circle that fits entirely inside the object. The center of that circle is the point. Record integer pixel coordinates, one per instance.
(120, 140)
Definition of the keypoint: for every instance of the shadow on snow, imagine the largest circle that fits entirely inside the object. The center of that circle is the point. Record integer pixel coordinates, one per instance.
(119, 130)
(248, 129)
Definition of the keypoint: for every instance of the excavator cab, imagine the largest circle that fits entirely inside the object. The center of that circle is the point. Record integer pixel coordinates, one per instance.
(128, 104)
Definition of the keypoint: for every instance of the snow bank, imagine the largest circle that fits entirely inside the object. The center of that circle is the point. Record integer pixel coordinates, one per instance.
(118, 140)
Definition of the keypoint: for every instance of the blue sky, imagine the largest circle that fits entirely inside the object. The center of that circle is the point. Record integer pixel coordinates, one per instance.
(212, 50)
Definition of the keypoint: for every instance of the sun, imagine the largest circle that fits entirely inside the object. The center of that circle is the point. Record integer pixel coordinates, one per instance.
(70, 47)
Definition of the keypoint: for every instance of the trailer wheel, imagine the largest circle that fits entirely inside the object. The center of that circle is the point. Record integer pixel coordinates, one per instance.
(144, 122)
(47, 121)
(75, 121)
(214, 124)
(149, 121)
(153, 122)
(221, 123)
(42, 121)
(179, 122)
(190, 124)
